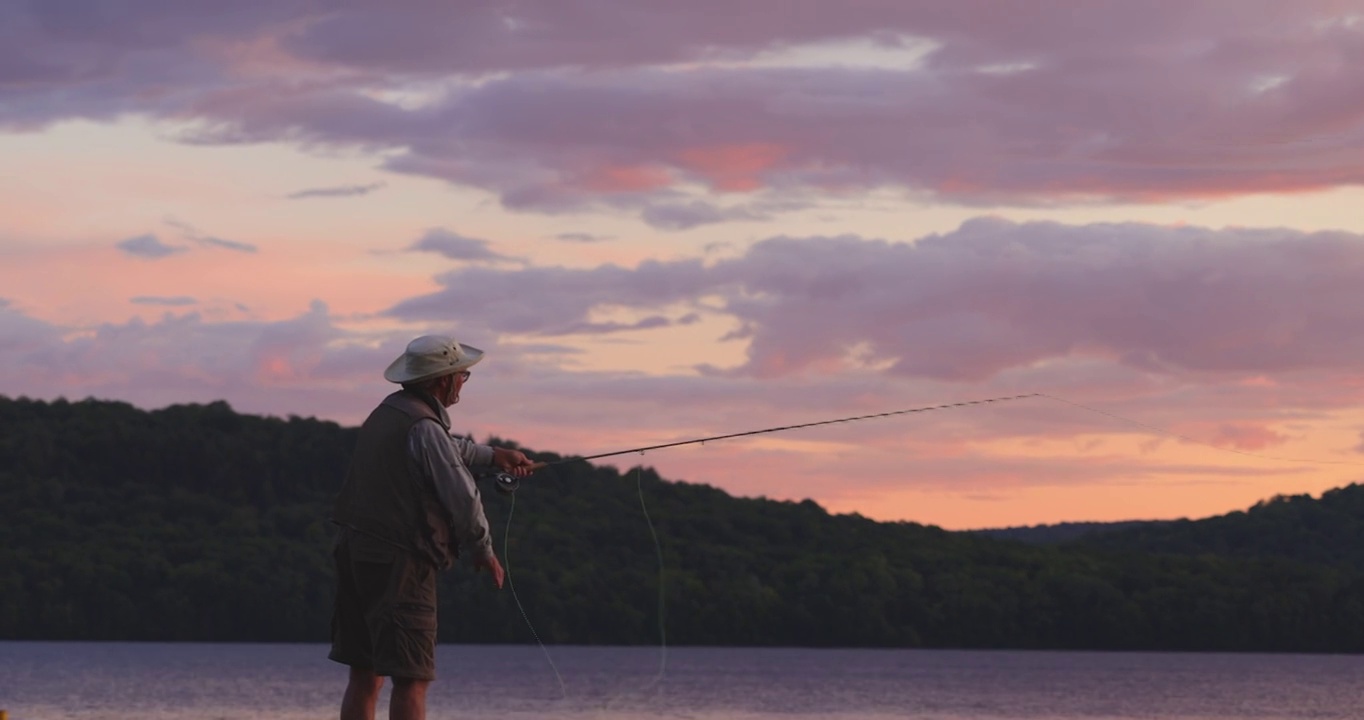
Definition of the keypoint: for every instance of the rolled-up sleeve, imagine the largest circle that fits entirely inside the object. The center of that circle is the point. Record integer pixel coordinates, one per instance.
(441, 459)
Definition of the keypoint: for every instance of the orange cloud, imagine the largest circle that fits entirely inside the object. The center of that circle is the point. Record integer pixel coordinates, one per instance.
(275, 368)
(732, 168)
(627, 178)
(1246, 436)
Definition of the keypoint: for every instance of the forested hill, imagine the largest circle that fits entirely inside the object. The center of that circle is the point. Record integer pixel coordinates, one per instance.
(199, 523)
(1061, 532)
(1328, 530)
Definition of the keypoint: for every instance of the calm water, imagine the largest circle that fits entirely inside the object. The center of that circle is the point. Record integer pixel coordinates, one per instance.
(56, 681)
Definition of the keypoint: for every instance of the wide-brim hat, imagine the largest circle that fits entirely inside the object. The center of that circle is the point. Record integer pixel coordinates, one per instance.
(431, 356)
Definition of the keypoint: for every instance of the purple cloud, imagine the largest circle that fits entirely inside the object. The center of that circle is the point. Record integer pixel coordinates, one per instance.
(172, 301)
(234, 245)
(989, 298)
(581, 237)
(1113, 101)
(337, 191)
(456, 247)
(604, 328)
(149, 246)
(994, 296)
(552, 301)
(684, 216)
(192, 233)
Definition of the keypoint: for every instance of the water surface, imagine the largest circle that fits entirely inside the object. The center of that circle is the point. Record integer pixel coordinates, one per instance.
(119, 681)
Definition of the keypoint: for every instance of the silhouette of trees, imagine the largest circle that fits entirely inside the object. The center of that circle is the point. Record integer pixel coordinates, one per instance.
(198, 523)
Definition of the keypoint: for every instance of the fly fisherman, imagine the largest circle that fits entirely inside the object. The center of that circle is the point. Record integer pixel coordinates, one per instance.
(407, 505)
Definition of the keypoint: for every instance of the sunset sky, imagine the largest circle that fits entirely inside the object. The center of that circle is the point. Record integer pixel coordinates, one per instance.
(665, 220)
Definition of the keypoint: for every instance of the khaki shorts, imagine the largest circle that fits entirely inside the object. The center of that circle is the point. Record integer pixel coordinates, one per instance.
(384, 619)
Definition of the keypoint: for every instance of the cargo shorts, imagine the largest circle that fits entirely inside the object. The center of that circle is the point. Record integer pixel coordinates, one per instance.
(384, 617)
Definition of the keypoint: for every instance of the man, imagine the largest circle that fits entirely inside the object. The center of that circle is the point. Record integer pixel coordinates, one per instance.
(407, 506)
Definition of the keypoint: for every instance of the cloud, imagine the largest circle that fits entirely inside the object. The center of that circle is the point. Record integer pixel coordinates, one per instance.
(174, 301)
(150, 247)
(603, 328)
(581, 237)
(282, 367)
(995, 296)
(193, 234)
(553, 300)
(337, 191)
(684, 216)
(21, 335)
(1111, 102)
(227, 244)
(456, 247)
(990, 298)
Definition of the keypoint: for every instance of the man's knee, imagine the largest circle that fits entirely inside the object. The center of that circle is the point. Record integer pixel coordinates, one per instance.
(365, 682)
(404, 682)
(410, 685)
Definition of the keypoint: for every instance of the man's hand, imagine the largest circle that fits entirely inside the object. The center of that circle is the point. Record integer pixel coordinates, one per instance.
(491, 562)
(513, 462)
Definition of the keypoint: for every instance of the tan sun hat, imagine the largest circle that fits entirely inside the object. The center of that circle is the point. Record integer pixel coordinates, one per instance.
(431, 356)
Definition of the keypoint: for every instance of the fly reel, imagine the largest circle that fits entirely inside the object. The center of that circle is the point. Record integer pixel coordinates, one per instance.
(504, 483)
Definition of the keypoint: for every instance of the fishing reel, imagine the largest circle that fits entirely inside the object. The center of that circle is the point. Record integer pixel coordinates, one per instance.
(504, 483)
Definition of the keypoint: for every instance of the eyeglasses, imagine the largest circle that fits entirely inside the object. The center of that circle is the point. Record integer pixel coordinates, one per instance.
(464, 375)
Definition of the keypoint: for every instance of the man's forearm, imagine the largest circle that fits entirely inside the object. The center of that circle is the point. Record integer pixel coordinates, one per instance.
(473, 454)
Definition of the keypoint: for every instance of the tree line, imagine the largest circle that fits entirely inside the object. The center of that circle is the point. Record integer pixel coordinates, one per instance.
(195, 522)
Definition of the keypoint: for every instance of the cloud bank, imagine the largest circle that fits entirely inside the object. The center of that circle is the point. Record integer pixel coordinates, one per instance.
(696, 120)
(989, 298)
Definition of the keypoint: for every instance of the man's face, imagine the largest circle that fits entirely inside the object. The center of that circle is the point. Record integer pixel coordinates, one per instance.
(447, 391)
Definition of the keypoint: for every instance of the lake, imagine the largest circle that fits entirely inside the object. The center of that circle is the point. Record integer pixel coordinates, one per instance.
(191, 681)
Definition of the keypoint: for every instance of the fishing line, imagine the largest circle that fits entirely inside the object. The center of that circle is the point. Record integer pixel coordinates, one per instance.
(658, 548)
(662, 632)
(506, 557)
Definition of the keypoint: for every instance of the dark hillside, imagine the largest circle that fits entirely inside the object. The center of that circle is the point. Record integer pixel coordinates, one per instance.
(199, 523)
(1326, 531)
(1060, 532)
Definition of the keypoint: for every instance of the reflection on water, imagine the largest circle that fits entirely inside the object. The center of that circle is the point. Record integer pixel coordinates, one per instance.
(91, 681)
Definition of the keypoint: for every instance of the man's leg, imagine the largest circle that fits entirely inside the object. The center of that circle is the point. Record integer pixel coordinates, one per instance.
(408, 701)
(362, 694)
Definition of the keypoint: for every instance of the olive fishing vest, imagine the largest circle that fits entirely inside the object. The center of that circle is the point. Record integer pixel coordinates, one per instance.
(383, 496)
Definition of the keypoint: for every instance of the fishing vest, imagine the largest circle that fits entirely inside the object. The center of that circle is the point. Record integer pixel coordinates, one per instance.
(382, 496)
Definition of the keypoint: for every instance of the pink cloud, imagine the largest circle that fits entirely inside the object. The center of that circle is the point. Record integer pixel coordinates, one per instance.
(732, 168)
(614, 179)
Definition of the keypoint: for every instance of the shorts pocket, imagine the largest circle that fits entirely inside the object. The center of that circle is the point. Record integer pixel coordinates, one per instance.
(411, 616)
(414, 642)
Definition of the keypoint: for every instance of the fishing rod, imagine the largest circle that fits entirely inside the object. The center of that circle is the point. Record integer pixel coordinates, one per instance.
(507, 483)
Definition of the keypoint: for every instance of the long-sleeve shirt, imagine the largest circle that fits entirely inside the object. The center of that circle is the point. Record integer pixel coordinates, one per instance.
(444, 460)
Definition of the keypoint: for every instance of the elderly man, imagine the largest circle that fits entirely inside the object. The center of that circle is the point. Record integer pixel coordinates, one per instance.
(408, 504)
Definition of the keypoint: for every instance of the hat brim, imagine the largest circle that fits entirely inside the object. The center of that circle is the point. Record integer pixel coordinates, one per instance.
(399, 372)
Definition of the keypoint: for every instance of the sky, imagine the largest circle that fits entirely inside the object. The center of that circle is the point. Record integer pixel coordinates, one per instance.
(668, 220)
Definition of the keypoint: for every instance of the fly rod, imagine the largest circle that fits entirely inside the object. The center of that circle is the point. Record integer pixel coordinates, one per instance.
(507, 483)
